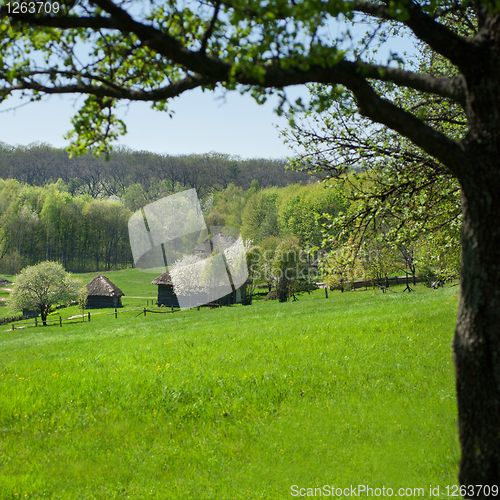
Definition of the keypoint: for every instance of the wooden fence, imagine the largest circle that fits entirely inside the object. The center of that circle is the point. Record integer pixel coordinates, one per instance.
(143, 312)
(382, 282)
(38, 322)
(81, 318)
(387, 282)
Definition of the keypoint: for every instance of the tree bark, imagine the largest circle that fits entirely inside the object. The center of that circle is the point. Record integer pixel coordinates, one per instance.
(282, 288)
(476, 346)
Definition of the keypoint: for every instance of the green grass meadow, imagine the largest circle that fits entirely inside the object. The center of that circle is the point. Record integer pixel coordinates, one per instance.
(232, 403)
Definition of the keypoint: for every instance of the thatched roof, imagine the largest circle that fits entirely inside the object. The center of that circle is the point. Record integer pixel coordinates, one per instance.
(163, 279)
(101, 286)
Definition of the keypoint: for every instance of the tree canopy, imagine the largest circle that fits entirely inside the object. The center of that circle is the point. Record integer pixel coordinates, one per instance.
(154, 51)
(118, 50)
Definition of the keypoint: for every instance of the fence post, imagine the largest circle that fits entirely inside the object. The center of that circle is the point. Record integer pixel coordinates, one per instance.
(89, 315)
(144, 311)
(13, 326)
(116, 314)
(60, 321)
(36, 323)
(172, 308)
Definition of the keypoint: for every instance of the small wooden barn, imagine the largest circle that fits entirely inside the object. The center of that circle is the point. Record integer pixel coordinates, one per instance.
(166, 294)
(168, 298)
(102, 293)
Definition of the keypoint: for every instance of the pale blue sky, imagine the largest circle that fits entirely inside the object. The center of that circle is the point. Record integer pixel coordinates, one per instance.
(201, 123)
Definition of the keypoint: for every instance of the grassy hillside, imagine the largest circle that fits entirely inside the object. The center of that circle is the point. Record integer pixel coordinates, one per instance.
(238, 402)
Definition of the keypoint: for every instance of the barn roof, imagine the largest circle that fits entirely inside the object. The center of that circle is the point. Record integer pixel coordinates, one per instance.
(101, 286)
(166, 279)
(163, 279)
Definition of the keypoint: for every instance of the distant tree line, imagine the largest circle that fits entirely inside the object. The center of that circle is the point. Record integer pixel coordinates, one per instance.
(46, 223)
(76, 210)
(84, 233)
(140, 176)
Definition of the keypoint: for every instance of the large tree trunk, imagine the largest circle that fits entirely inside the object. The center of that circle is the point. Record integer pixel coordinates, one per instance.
(43, 314)
(476, 344)
(477, 338)
(282, 286)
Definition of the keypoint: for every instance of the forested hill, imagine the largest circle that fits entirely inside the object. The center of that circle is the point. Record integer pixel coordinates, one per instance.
(41, 164)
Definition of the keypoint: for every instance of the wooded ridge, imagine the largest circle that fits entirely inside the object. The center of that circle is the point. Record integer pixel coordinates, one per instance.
(41, 164)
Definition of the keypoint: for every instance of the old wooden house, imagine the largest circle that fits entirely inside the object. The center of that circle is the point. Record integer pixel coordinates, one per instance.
(168, 298)
(102, 293)
(166, 294)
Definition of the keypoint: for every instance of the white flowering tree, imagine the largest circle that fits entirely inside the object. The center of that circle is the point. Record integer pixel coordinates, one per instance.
(45, 285)
(186, 273)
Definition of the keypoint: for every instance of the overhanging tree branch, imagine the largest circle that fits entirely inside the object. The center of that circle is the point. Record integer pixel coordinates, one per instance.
(453, 88)
(439, 37)
(286, 71)
(343, 71)
(433, 142)
(165, 44)
(274, 76)
(112, 91)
